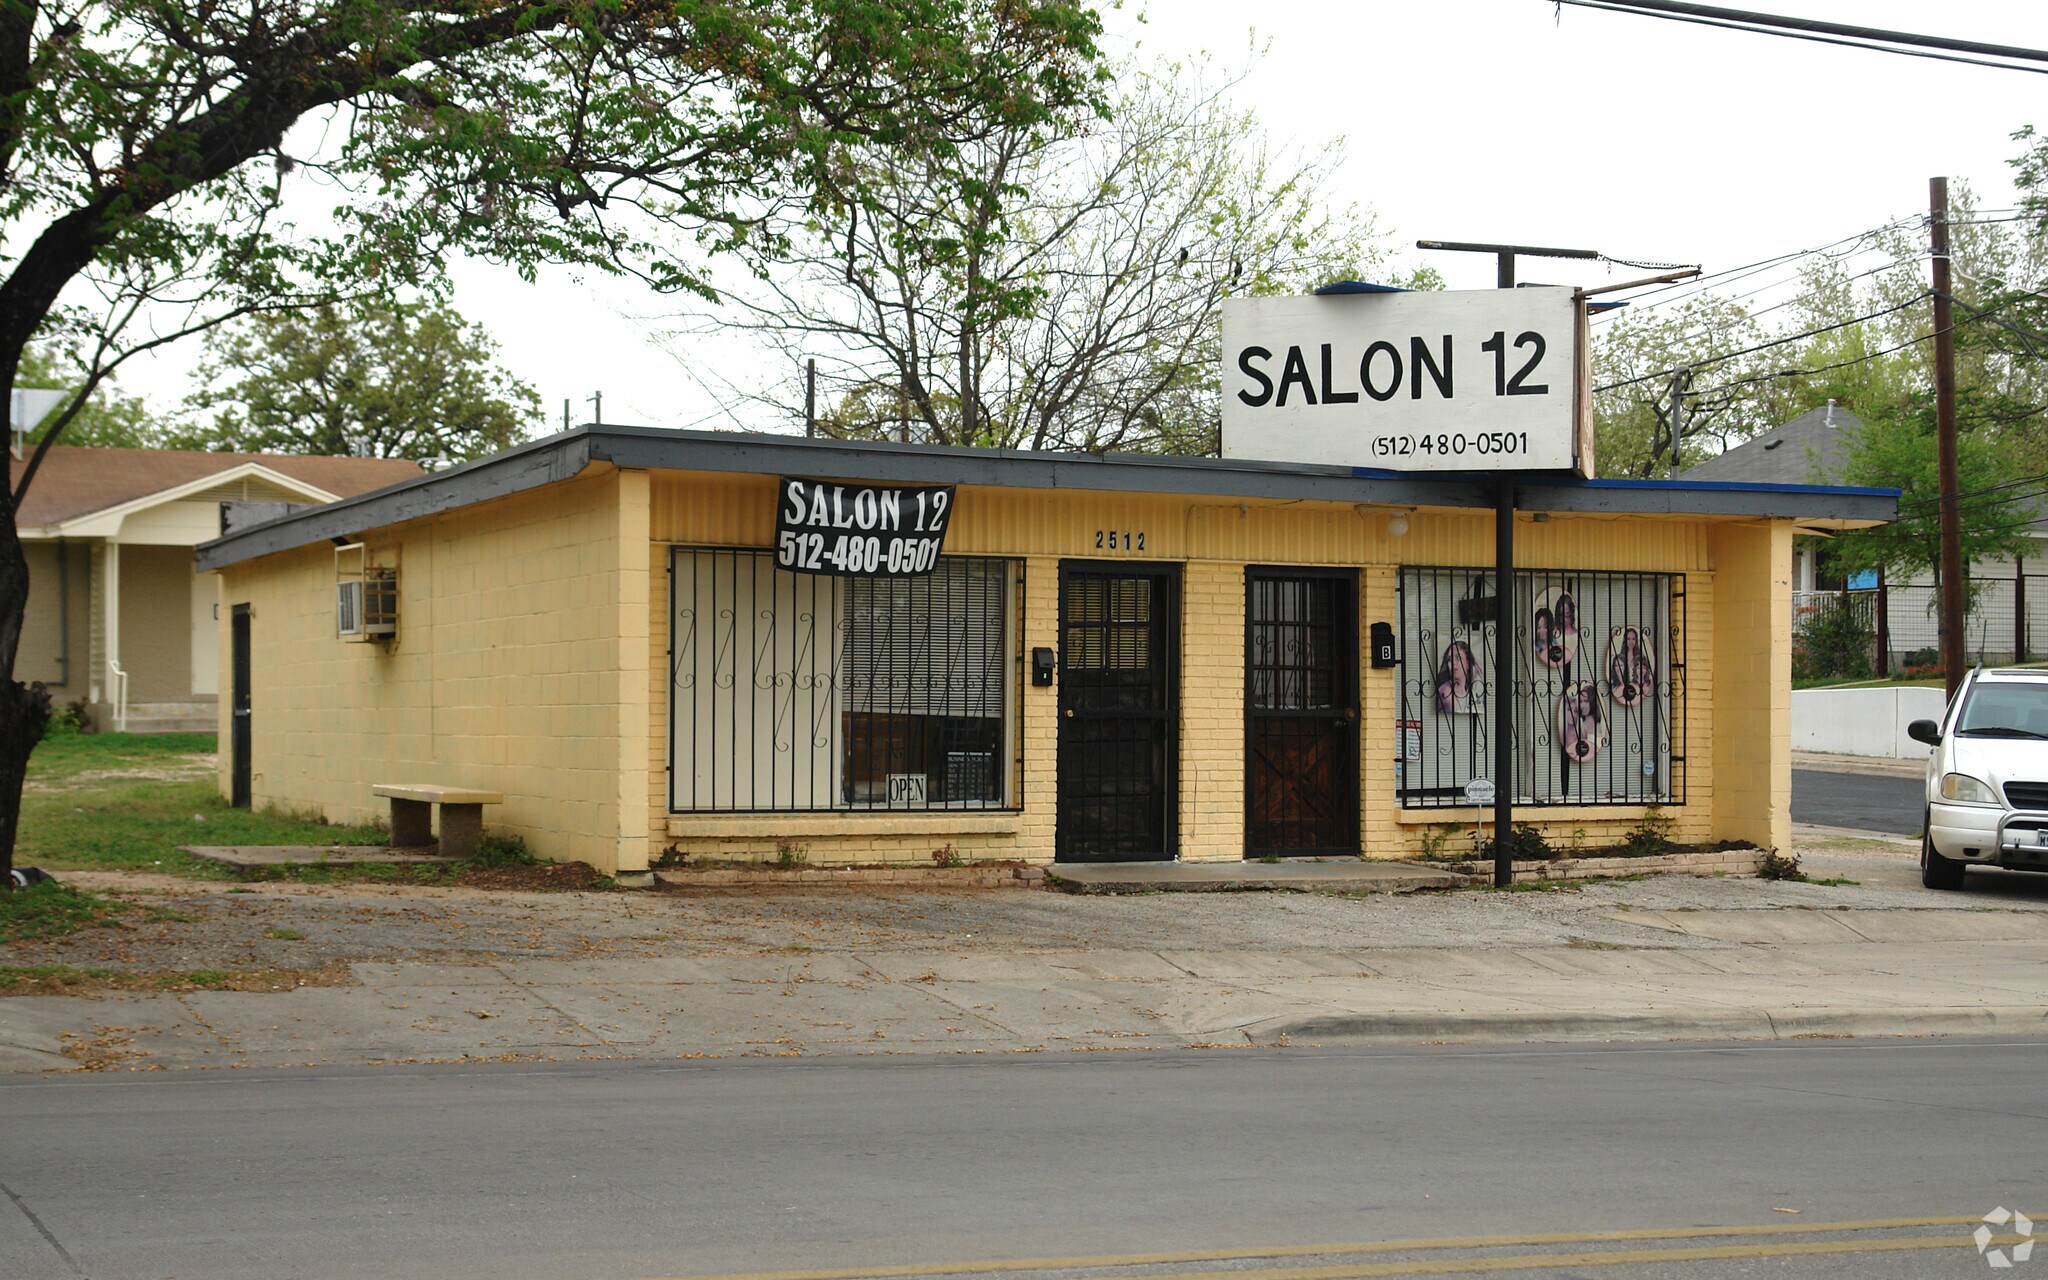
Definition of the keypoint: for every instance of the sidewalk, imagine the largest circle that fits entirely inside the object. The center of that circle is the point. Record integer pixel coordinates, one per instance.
(661, 976)
(1872, 766)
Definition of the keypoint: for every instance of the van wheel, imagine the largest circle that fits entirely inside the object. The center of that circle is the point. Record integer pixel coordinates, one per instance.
(1936, 872)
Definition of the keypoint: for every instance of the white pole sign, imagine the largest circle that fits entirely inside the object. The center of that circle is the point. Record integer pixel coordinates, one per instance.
(1477, 380)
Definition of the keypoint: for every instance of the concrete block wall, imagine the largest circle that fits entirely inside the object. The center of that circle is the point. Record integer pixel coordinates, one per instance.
(1751, 697)
(1212, 729)
(510, 672)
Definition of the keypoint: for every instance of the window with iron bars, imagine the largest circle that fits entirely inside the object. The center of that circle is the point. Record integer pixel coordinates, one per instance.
(1599, 687)
(800, 692)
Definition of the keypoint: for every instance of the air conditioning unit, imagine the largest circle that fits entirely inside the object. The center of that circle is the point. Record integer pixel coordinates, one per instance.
(365, 597)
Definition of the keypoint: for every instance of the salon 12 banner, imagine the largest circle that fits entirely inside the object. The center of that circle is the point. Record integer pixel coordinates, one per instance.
(860, 530)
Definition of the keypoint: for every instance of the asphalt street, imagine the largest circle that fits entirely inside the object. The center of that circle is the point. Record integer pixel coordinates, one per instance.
(1857, 801)
(1824, 1158)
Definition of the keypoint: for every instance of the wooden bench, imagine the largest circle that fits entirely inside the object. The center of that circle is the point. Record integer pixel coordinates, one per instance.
(462, 816)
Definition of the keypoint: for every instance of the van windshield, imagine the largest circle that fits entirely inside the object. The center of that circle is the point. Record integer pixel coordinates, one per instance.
(2000, 710)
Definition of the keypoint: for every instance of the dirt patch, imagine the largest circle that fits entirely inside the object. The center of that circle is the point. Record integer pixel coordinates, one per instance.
(67, 980)
(538, 877)
(173, 769)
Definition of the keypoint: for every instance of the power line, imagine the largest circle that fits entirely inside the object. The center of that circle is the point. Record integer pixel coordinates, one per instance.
(2020, 483)
(1875, 39)
(1764, 346)
(1801, 296)
(1825, 368)
(1700, 284)
(1981, 313)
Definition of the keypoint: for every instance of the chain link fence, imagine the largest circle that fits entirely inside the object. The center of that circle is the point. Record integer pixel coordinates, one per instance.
(1897, 630)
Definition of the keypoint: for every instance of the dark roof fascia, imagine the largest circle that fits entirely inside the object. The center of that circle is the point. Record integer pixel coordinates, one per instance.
(561, 456)
(528, 466)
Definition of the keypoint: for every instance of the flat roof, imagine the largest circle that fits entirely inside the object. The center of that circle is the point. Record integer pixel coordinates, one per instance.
(566, 454)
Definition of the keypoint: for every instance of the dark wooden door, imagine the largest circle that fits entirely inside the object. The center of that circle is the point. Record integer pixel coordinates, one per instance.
(1301, 712)
(1119, 697)
(238, 707)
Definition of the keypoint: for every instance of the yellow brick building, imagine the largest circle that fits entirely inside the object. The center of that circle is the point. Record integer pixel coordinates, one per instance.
(1114, 658)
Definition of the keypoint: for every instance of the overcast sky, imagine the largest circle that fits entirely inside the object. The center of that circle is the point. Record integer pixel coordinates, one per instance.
(1491, 120)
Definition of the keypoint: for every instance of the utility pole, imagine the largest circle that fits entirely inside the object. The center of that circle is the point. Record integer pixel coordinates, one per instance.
(597, 410)
(565, 413)
(811, 397)
(1945, 444)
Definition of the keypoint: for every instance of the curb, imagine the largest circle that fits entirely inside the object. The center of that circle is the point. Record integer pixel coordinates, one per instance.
(1424, 882)
(1718, 1024)
(998, 876)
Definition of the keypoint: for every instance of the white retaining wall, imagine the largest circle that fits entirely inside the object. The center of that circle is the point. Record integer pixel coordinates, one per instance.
(1863, 722)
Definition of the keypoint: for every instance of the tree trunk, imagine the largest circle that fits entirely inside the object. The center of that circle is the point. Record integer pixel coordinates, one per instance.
(24, 709)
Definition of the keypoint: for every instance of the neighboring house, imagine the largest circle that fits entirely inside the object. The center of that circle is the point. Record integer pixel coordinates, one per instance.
(2008, 618)
(113, 598)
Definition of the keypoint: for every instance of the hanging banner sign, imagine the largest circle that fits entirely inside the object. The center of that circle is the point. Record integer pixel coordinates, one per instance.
(1475, 380)
(860, 530)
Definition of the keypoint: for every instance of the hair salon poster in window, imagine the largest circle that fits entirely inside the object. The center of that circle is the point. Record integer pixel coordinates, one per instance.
(1631, 665)
(1554, 628)
(1457, 683)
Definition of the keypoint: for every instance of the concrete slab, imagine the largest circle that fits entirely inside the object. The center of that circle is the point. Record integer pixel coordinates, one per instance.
(1334, 875)
(252, 857)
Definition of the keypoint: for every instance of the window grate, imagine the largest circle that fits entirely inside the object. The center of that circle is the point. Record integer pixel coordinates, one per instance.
(1599, 685)
(798, 692)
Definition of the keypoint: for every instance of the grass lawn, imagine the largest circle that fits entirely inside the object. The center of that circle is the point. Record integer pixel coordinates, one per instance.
(1930, 682)
(127, 801)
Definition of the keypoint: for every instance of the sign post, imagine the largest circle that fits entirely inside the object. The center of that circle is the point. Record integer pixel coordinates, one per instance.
(1503, 684)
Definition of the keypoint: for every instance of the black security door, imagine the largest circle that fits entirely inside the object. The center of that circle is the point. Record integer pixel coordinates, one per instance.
(1119, 712)
(1301, 713)
(238, 707)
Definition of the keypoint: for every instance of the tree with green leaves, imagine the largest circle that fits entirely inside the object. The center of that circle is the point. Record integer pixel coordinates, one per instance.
(1634, 355)
(1068, 295)
(377, 379)
(166, 168)
(1899, 453)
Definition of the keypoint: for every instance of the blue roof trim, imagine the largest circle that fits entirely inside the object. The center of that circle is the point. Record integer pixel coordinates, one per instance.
(1739, 486)
(1551, 479)
(1339, 288)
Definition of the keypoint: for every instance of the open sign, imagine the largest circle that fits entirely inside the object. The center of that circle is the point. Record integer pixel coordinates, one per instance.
(906, 790)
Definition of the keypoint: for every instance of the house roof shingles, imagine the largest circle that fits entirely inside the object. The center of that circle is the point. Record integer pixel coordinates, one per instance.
(74, 481)
(1810, 449)
(1813, 448)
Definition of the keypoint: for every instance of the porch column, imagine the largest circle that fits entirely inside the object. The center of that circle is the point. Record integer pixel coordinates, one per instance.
(107, 587)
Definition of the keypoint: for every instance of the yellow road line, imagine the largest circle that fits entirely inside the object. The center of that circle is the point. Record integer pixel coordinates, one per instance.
(1605, 1258)
(1324, 1250)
